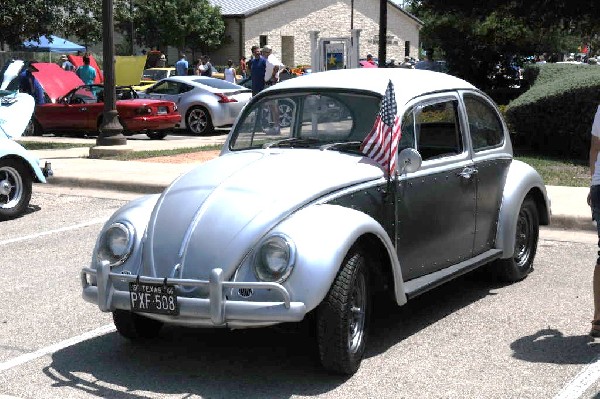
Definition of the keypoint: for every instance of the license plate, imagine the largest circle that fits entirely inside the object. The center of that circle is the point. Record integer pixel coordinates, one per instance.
(153, 298)
(162, 110)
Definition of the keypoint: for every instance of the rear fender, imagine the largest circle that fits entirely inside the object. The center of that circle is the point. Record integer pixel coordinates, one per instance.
(522, 180)
(12, 149)
(323, 235)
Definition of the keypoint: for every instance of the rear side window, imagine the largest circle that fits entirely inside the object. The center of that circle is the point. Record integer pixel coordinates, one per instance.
(485, 126)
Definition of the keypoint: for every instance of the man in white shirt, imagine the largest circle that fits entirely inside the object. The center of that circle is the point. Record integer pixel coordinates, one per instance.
(273, 66)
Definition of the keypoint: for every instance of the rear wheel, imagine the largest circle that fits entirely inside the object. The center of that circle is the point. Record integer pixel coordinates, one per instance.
(132, 325)
(342, 317)
(526, 239)
(15, 188)
(198, 121)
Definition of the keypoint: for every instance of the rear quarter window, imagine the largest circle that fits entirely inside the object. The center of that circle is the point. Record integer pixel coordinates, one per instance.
(484, 124)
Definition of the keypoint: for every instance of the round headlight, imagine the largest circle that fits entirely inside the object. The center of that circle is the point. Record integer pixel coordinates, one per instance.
(116, 243)
(274, 259)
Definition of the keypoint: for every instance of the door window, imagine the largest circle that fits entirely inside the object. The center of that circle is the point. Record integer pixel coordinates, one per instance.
(165, 87)
(433, 129)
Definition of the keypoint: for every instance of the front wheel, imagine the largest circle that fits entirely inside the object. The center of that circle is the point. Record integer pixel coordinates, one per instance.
(132, 325)
(198, 121)
(526, 239)
(342, 317)
(15, 188)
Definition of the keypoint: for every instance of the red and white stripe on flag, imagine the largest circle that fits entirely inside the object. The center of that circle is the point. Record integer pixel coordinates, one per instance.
(381, 144)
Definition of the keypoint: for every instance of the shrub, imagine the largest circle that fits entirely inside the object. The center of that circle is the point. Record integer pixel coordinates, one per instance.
(555, 115)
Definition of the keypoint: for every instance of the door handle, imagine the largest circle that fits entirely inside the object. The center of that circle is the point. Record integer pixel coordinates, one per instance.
(467, 173)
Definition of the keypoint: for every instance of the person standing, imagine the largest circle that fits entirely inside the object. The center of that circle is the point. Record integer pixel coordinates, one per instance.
(181, 66)
(253, 51)
(258, 67)
(243, 68)
(30, 85)
(593, 200)
(66, 64)
(273, 66)
(428, 63)
(86, 72)
(230, 72)
(207, 68)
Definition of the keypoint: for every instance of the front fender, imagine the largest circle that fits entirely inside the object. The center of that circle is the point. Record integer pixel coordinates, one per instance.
(323, 235)
(8, 148)
(522, 180)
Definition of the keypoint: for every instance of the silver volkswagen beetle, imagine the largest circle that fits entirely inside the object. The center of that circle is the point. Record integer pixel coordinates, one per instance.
(294, 223)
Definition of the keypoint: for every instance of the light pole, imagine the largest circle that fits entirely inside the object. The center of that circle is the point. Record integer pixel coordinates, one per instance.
(382, 33)
(111, 131)
(132, 31)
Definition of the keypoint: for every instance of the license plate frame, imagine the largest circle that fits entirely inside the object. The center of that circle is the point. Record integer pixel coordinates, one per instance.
(162, 110)
(154, 298)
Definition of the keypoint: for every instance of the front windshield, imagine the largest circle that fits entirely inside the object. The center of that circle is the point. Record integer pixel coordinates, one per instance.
(308, 119)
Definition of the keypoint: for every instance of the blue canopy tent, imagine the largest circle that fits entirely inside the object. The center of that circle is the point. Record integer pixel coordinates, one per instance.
(58, 45)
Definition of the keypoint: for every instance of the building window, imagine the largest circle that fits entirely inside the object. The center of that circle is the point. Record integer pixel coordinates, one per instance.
(407, 48)
(262, 41)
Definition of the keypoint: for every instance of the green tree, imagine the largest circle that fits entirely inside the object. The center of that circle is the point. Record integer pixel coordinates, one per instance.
(481, 39)
(182, 24)
(21, 20)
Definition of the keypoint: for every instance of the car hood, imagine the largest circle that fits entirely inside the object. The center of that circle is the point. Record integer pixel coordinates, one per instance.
(211, 216)
(55, 80)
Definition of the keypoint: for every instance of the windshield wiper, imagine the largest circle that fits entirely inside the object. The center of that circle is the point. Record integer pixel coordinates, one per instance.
(292, 142)
(340, 145)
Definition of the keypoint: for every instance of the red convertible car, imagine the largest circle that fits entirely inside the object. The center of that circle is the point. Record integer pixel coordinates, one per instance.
(80, 110)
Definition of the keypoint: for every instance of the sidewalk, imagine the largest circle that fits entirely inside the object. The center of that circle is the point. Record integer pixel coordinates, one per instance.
(72, 168)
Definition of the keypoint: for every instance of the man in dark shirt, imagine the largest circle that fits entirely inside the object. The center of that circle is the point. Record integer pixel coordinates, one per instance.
(258, 68)
(30, 85)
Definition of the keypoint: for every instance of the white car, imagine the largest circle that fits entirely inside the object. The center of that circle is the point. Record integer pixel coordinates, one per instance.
(18, 168)
(204, 103)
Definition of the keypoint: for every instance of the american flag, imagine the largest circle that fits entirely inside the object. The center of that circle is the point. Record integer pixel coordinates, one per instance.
(381, 144)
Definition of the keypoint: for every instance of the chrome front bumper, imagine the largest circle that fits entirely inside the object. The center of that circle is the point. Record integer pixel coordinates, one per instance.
(214, 311)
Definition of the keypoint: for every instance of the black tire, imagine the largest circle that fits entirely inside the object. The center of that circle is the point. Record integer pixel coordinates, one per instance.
(15, 188)
(157, 134)
(198, 121)
(133, 326)
(33, 128)
(526, 239)
(342, 317)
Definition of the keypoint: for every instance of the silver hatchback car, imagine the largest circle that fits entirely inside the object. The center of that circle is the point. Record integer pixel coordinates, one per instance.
(293, 223)
(204, 103)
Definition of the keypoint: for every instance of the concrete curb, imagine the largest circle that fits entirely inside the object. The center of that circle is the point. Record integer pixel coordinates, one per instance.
(137, 187)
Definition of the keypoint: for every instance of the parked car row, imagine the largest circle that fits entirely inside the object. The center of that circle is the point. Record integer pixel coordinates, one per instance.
(194, 103)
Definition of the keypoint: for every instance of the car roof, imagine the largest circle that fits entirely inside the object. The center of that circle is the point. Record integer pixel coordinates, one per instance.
(160, 69)
(408, 83)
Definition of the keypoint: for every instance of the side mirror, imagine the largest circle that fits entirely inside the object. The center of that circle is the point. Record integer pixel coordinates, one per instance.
(409, 160)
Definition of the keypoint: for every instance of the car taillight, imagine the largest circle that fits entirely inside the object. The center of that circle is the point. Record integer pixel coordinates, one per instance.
(143, 110)
(224, 99)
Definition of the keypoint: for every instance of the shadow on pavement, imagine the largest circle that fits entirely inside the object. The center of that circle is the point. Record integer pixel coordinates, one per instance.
(552, 346)
(253, 363)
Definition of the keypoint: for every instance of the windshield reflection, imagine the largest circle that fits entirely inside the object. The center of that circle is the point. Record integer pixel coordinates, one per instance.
(314, 119)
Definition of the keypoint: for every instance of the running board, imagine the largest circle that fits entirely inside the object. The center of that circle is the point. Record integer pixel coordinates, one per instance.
(423, 284)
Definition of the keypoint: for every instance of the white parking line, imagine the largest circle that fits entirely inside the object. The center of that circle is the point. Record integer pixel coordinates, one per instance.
(45, 233)
(582, 381)
(56, 347)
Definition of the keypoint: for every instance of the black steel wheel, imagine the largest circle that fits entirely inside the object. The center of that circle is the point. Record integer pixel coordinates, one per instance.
(343, 316)
(15, 188)
(132, 325)
(198, 121)
(526, 239)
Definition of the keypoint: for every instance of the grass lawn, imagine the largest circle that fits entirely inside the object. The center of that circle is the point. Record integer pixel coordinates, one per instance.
(559, 172)
(44, 145)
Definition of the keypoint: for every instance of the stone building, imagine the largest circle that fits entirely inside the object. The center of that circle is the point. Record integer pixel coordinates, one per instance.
(285, 25)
